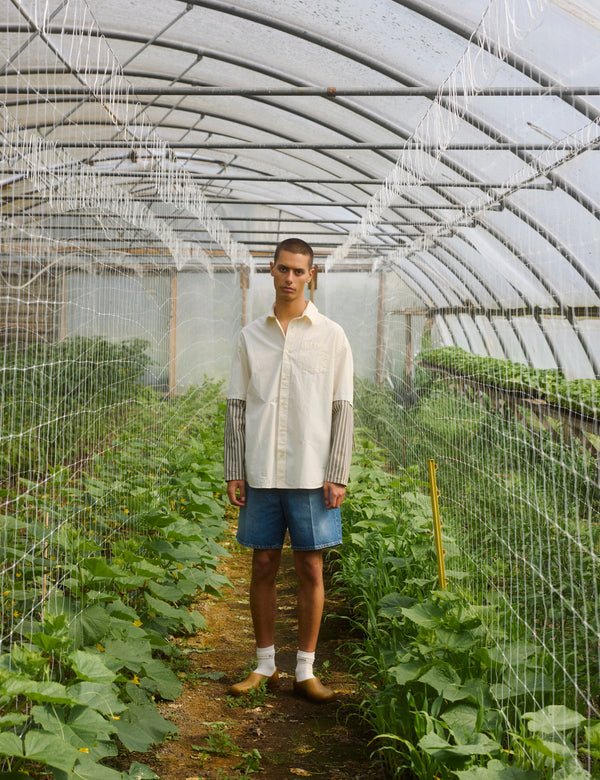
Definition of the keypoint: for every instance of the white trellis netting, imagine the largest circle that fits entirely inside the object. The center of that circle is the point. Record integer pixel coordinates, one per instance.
(452, 198)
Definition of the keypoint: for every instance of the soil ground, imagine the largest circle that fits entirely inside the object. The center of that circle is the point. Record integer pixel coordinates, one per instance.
(294, 737)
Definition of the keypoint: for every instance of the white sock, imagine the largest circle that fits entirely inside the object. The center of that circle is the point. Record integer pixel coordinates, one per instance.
(266, 660)
(304, 666)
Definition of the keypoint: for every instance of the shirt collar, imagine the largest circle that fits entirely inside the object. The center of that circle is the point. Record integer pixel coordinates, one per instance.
(310, 312)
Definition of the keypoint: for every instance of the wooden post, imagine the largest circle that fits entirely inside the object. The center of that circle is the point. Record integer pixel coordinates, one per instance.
(63, 307)
(245, 285)
(312, 285)
(173, 337)
(409, 361)
(380, 331)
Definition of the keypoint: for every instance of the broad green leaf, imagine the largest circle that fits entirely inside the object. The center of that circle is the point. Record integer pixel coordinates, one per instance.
(462, 720)
(166, 682)
(444, 679)
(139, 771)
(553, 718)
(496, 770)
(91, 626)
(86, 768)
(102, 698)
(50, 750)
(555, 750)
(10, 744)
(84, 723)
(12, 719)
(170, 592)
(46, 642)
(122, 611)
(99, 568)
(37, 691)
(406, 672)
(392, 604)
(142, 726)
(426, 615)
(592, 734)
(438, 747)
(90, 667)
(131, 654)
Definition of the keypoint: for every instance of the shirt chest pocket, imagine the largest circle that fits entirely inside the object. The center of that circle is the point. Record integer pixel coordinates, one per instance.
(313, 357)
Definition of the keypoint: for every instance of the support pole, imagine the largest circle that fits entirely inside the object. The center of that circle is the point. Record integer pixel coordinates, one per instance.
(312, 285)
(173, 337)
(244, 284)
(437, 525)
(380, 331)
(408, 345)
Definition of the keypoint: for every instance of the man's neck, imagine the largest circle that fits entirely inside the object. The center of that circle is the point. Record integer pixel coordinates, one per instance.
(286, 312)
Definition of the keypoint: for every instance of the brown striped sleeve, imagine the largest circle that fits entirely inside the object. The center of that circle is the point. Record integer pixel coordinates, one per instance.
(340, 454)
(235, 439)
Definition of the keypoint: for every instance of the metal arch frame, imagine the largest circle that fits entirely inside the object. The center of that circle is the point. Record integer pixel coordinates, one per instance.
(483, 283)
(450, 251)
(320, 41)
(519, 257)
(129, 37)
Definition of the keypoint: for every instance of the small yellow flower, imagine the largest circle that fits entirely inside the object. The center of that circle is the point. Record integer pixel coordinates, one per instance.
(16, 613)
(126, 511)
(116, 717)
(136, 680)
(84, 750)
(137, 623)
(100, 648)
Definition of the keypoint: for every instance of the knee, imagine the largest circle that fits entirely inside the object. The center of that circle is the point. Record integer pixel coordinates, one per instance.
(265, 565)
(309, 569)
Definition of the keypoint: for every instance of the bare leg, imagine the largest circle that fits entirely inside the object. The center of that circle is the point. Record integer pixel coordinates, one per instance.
(263, 597)
(311, 597)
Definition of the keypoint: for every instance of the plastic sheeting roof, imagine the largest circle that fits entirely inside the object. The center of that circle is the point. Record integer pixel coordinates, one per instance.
(455, 143)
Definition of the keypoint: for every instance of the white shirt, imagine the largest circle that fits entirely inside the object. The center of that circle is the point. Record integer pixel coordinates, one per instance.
(289, 382)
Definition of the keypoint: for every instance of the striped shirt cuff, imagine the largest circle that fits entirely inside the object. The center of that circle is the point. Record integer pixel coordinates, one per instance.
(235, 439)
(340, 455)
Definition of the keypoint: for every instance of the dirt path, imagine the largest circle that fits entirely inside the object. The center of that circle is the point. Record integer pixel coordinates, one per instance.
(294, 738)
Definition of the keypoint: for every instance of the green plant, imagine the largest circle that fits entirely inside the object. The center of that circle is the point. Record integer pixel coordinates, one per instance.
(255, 697)
(132, 540)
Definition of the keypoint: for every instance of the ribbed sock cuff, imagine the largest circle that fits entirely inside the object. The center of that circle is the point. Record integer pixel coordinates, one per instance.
(265, 657)
(304, 665)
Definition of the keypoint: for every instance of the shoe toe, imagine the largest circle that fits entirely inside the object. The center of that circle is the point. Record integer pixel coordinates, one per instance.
(314, 690)
(253, 680)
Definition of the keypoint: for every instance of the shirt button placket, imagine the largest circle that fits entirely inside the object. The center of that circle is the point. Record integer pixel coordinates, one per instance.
(284, 396)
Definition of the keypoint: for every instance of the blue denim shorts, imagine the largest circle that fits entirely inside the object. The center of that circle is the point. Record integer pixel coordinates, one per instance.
(270, 512)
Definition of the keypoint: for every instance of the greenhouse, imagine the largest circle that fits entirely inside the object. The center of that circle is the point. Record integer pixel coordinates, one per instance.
(442, 159)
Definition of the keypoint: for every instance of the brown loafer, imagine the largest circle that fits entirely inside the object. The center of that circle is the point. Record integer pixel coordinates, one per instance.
(253, 680)
(313, 690)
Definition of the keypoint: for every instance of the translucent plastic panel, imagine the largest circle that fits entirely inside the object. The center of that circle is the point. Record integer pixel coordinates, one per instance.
(440, 334)
(510, 266)
(476, 343)
(511, 346)
(209, 311)
(415, 272)
(570, 351)
(538, 351)
(492, 343)
(118, 308)
(558, 273)
(590, 331)
(459, 336)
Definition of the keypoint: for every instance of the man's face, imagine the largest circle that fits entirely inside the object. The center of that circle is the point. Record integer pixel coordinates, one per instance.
(290, 276)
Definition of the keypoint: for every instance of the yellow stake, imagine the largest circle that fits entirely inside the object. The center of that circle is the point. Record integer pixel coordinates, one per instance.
(437, 525)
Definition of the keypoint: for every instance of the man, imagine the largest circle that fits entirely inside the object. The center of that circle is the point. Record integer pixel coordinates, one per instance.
(288, 443)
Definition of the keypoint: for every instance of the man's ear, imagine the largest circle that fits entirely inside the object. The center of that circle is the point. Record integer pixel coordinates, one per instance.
(272, 267)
